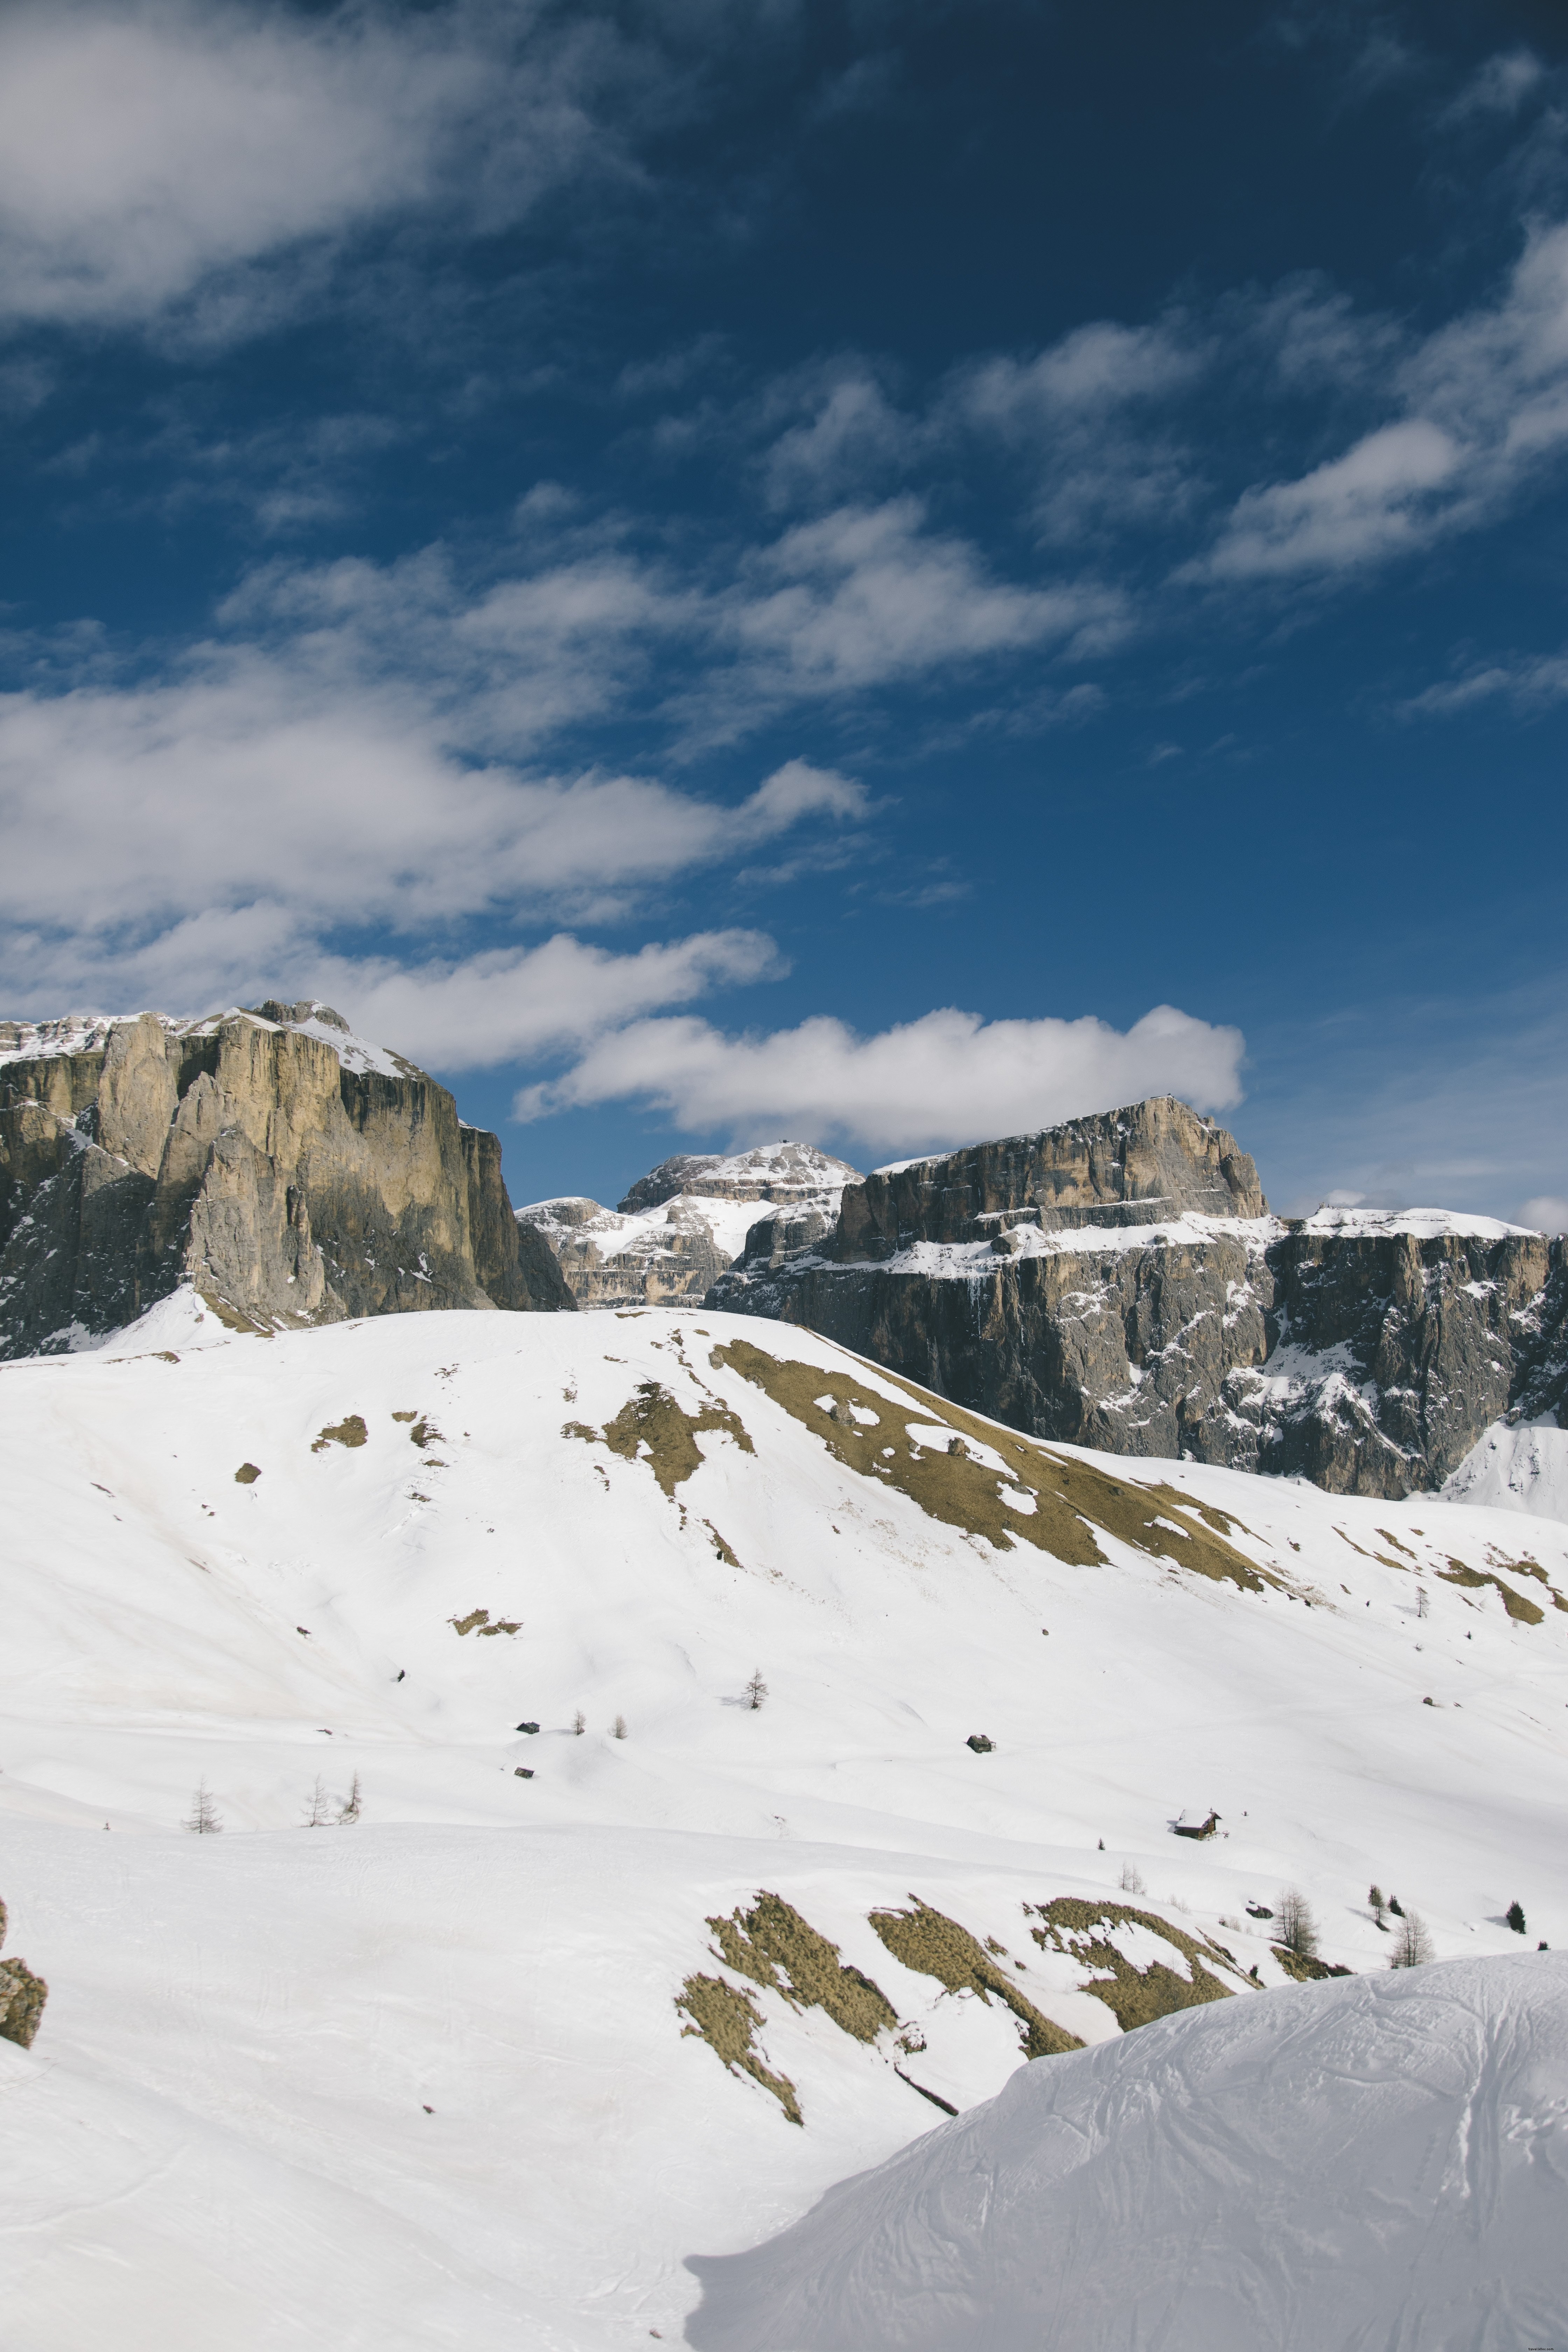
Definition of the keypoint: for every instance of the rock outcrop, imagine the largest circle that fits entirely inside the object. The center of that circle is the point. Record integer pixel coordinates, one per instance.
(21, 1998)
(284, 1169)
(1119, 1283)
(682, 1226)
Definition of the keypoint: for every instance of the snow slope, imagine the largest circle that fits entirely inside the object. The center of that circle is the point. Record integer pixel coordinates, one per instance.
(1377, 2165)
(1522, 1466)
(420, 2079)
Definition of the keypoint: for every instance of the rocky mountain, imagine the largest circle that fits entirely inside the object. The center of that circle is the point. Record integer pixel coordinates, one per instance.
(1117, 1282)
(286, 1169)
(684, 1224)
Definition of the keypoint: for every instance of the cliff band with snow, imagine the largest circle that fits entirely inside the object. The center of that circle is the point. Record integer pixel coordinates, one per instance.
(1117, 1282)
(283, 1168)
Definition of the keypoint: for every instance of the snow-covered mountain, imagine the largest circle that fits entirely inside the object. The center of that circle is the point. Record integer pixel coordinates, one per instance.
(684, 1224)
(538, 2011)
(1117, 1282)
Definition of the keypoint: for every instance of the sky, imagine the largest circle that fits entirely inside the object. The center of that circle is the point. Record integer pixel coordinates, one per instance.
(888, 574)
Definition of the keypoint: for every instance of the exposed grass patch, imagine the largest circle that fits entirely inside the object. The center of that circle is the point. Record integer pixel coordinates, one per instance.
(1524, 1611)
(726, 2019)
(425, 1433)
(935, 1946)
(721, 1547)
(1072, 1499)
(349, 1431)
(652, 1427)
(779, 1950)
(1306, 1967)
(478, 1621)
(1134, 1996)
(405, 1416)
(247, 1474)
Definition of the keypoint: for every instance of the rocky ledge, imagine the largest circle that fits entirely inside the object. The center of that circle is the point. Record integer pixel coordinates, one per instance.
(1117, 1282)
(285, 1169)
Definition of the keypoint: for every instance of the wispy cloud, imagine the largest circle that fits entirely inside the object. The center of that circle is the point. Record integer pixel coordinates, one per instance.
(1484, 411)
(1528, 682)
(947, 1079)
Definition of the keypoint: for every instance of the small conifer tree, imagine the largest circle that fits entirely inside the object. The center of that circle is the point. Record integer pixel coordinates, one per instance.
(317, 1814)
(204, 1819)
(1379, 1905)
(1514, 1915)
(756, 1691)
(579, 1723)
(620, 1726)
(349, 1810)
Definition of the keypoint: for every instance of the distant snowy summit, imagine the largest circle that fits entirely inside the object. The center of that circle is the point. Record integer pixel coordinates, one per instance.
(267, 1158)
(686, 1221)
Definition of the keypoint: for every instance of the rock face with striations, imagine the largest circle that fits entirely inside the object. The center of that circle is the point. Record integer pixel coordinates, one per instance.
(284, 1169)
(682, 1226)
(1117, 1282)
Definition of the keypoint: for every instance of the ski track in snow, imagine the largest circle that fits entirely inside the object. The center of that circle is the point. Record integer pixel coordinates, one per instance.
(220, 2136)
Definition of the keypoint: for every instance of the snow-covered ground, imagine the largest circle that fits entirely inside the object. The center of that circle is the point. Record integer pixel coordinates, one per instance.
(1518, 1467)
(1377, 2165)
(419, 2079)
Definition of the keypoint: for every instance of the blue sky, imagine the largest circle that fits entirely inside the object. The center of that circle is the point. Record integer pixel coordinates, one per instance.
(882, 573)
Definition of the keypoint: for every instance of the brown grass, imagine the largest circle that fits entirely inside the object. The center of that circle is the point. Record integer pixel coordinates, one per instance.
(247, 1474)
(1072, 1499)
(934, 1946)
(349, 1431)
(1134, 1996)
(1524, 1611)
(779, 1950)
(652, 1418)
(1305, 1966)
(726, 2019)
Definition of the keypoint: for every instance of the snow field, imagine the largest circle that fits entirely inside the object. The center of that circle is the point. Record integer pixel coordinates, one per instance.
(242, 2031)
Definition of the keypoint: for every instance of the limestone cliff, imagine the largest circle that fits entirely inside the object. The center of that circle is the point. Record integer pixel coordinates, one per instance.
(285, 1170)
(1118, 1283)
(683, 1225)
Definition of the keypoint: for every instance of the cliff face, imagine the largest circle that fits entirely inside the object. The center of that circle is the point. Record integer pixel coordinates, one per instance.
(269, 1159)
(1134, 1167)
(1366, 1354)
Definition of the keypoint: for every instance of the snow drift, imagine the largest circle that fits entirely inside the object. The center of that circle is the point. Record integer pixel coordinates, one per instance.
(1381, 2162)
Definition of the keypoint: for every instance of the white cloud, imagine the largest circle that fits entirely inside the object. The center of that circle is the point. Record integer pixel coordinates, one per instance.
(515, 1004)
(155, 151)
(240, 785)
(1082, 413)
(1546, 1212)
(946, 1080)
(1376, 500)
(1484, 405)
(866, 595)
